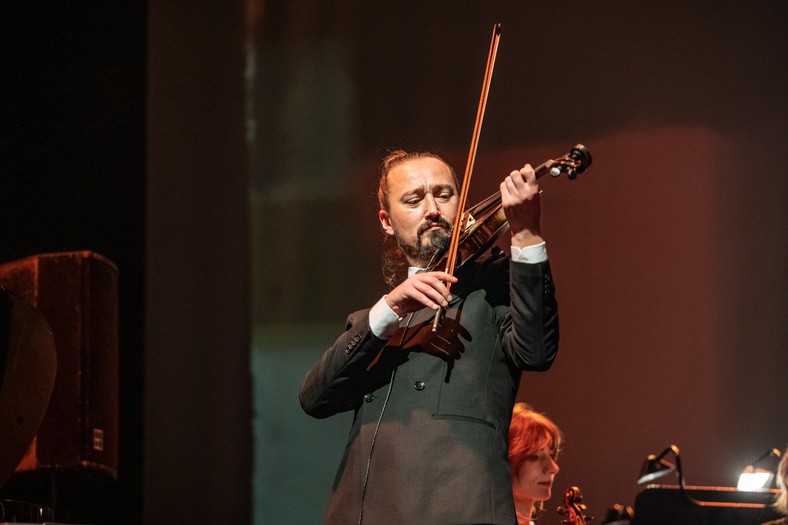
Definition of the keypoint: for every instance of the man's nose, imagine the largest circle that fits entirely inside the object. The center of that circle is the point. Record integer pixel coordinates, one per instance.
(431, 208)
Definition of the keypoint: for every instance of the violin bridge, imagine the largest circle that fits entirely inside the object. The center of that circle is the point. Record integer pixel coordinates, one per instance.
(469, 221)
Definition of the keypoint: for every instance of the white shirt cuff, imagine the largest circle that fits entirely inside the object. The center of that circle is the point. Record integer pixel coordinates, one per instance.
(530, 254)
(382, 320)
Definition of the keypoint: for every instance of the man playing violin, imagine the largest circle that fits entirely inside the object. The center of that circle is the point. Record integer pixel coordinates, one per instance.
(432, 408)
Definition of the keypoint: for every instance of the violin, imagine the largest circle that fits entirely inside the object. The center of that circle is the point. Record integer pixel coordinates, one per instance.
(573, 507)
(485, 222)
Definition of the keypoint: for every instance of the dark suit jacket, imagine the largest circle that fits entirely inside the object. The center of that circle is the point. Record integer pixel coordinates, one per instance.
(432, 410)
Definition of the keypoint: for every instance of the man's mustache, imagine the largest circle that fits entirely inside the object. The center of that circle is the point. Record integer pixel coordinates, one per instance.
(443, 223)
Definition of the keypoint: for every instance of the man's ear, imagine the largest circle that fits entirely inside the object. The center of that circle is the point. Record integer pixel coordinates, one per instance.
(385, 222)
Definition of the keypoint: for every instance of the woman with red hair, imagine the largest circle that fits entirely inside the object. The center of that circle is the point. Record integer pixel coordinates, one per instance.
(534, 443)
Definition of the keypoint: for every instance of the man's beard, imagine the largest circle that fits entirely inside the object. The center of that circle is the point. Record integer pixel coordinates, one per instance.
(429, 244)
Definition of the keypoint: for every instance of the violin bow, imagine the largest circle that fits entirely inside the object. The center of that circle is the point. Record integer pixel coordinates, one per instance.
(451, 254)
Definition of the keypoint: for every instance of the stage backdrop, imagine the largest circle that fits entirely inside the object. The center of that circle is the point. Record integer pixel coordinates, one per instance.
(669, 254)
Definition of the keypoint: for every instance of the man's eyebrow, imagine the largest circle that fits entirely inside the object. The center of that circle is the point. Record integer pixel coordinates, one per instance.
(419, 190)
(445, 186)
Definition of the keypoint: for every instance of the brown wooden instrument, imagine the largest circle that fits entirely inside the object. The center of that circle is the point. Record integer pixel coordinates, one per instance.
(573, 507)
(485, 222)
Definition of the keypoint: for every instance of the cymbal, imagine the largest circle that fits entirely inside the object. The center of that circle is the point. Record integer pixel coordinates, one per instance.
(28, 364)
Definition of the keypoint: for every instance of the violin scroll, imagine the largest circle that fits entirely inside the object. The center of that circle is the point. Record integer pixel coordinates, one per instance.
(573, 507)
(576, 161)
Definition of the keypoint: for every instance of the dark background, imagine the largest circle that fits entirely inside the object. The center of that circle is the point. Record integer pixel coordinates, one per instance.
(73, 176)
(218, 153)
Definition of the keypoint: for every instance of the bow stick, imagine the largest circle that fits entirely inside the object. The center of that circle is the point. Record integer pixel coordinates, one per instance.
(459, 226)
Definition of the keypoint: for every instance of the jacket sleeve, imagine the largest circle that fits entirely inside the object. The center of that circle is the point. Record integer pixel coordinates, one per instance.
(337, 381)
(530, 336)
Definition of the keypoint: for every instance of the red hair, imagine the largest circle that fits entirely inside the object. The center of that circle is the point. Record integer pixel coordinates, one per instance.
(529, 432)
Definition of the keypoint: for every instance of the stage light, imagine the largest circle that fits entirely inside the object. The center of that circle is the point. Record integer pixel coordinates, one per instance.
(657, 466)
(760, 473)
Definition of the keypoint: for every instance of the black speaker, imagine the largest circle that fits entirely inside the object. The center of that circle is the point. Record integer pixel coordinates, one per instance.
(77, 294)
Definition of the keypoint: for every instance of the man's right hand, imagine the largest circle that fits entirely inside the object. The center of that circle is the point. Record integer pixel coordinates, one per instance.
(426, 289)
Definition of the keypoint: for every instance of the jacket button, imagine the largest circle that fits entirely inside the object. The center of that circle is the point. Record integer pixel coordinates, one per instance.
(418, 385)
(369, 397)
